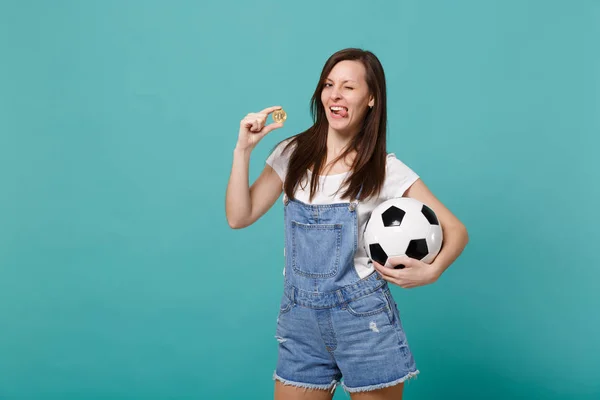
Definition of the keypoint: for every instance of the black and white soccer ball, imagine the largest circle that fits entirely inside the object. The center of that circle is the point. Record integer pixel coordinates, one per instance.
(399, 227)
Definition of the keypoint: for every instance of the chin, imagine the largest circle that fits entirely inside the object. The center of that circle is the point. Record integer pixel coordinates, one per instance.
(342, 129)
(339, 126)
(338, 122)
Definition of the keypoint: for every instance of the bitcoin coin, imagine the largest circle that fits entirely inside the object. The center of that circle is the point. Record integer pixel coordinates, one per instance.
(279, 116)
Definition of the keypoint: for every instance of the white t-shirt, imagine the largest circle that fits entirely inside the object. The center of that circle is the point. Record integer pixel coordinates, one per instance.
(399, 177)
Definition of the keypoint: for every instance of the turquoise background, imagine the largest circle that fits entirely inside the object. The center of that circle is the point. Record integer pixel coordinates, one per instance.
(119, 276)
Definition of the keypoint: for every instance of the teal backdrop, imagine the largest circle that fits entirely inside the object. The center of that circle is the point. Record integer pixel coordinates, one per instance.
(119, 276)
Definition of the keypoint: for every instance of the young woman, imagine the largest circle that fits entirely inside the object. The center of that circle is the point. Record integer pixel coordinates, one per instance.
(337, 317)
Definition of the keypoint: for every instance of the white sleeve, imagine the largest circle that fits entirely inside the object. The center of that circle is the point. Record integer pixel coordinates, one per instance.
(399, 177)
(279, 160)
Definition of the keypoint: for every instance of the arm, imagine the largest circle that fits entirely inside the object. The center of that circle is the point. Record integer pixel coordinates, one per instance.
(455, 233)
(417, 273)
(244, 205)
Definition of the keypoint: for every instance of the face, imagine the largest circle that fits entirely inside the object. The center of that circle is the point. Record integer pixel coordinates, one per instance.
(346, 97)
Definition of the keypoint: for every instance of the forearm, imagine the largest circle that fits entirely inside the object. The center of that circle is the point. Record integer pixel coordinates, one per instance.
(455, 240)
(238, 204)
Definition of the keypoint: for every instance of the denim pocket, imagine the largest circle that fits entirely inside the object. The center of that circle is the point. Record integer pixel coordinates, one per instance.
(285, 305)
(372, 304)
(394, 315)
(316, 249)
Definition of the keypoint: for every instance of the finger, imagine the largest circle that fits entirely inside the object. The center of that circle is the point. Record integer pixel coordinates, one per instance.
(396, 276)
(384, 271)
(260, 123)
(386, 276)
(254, 116)
(269, 110)
(249, 121)
(401, 262)
(381, 268)
(272, 126)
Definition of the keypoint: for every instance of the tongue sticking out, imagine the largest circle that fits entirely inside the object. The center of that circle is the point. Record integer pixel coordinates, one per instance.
(343, 112)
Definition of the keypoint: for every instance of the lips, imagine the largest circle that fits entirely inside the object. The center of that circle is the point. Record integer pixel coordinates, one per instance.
(338, 111)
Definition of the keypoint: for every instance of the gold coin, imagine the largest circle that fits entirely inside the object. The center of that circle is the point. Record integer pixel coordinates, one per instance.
(279, 116)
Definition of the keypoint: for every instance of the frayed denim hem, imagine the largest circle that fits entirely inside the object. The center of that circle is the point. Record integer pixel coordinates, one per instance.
(410, 375)
(326, 386)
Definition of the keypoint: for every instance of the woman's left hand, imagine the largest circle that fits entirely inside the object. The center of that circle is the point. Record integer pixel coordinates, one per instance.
(415, 273)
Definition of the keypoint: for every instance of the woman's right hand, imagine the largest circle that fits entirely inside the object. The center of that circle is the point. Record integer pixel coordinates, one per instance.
(253, 129)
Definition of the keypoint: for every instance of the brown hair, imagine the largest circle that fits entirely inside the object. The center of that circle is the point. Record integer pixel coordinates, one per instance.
(368, 168)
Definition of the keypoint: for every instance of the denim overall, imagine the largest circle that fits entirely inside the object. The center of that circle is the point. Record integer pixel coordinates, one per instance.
(331, 322)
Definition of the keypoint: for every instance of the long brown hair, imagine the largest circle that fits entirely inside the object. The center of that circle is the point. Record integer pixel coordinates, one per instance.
(368, 168)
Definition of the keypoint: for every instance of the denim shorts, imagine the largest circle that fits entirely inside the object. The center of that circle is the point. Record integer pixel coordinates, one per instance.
(355, 334)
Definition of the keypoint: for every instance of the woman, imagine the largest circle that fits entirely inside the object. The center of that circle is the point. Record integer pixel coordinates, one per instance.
(337, 316)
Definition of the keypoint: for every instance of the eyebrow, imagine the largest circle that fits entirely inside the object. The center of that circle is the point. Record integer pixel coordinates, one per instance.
(347, 80)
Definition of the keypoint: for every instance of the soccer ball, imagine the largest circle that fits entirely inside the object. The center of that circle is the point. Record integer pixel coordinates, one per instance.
(402, 226)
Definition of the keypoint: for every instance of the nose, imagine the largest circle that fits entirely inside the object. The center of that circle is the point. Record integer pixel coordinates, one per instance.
(335, 94)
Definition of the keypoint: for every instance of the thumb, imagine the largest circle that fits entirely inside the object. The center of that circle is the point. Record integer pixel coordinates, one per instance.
(271, 127)
(409, 262)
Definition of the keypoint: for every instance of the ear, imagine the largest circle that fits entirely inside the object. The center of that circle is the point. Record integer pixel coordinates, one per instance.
(371, 101)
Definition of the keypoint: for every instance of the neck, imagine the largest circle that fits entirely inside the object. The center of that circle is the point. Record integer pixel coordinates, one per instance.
(336, 145)
(337, 142)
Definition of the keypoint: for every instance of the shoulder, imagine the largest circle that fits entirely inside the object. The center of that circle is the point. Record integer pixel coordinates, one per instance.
(279, 157)
(395, 166)
(281, 148)
(399, 176)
